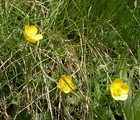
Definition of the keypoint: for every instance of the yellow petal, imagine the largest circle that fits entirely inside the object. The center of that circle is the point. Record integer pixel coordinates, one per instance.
(27, 38)
(67, 89)
(125, 88)
(60, 83)
(123, 97)
(118, 80)
(63, 77)
(32, 40)
(69, 82)
(116, 97)
(115, 86)
(30, 30)
(37, 37)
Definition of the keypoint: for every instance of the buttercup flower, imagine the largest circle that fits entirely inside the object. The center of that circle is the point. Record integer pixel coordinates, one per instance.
(65, 83)
(119, 90)
(30, 33)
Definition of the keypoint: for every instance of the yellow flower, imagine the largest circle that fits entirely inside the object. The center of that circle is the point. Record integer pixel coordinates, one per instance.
(30, 33)
(119, 90)
(65, 83)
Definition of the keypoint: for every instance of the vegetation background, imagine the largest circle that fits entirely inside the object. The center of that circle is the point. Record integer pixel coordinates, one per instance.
(95, 41)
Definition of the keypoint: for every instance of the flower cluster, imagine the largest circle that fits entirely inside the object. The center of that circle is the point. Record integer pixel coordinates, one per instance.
(65, 83)
(119, 90)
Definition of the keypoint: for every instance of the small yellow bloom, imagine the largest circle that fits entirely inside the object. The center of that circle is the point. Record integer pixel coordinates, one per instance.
(30, 33)
(65, 83)
(119, 90)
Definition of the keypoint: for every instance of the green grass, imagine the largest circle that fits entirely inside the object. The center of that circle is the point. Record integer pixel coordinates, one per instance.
(93, 41)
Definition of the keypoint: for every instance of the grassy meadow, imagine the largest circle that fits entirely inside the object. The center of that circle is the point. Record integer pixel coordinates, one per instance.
(94, 41)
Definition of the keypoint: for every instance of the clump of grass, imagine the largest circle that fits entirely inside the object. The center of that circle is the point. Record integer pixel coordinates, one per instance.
(95, 42)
